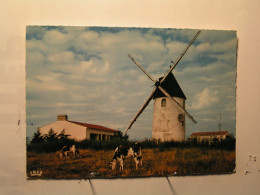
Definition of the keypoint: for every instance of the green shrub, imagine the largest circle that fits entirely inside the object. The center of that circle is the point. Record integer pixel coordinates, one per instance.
(53, 142)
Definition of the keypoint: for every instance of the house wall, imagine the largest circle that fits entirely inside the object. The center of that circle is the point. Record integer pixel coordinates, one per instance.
(104, 135)
(77, 132)
(208, 137)
(166, 125)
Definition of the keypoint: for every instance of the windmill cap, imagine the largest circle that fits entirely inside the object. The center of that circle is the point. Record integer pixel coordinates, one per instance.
(171, 85)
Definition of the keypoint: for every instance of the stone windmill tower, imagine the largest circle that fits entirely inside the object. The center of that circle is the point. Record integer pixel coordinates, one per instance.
(169, 104)
(168, 119)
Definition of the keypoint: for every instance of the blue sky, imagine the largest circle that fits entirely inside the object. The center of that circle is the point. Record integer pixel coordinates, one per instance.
(85, 72)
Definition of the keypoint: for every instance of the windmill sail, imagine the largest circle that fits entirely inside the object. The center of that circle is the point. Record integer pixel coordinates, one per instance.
(141, 110)
(159, 84)
(180, 57)
(183, 109)
(170, 88)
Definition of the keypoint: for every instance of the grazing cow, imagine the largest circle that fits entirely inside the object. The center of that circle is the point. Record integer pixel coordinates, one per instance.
(69, 149)
(124, 151)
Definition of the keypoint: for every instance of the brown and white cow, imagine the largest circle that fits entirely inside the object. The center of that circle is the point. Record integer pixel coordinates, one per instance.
(69, 149)
(124, 151)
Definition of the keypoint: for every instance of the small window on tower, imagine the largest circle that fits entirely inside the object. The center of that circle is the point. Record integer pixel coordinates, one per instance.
(163, 103)
(181, 117)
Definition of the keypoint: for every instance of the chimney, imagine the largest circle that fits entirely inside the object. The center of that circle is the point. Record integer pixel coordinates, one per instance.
(62, 117)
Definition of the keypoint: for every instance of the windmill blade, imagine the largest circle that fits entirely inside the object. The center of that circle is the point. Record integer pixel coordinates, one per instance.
(149, 76)
(141, 110)
(174, 64)
(180, 57)
(157, 84)
(172, 98)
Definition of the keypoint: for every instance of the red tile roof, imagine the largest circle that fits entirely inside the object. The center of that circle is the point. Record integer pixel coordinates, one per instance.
(209, 133)
(98, 127)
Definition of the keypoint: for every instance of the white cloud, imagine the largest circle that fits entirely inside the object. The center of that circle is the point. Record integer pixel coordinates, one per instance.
(89, 36)
(47, 83)
(35, 57)
(175, 47)
(85, 65)
(91, 75)
(203, 47)
(204, 99)
(55, 38)
(106, 67)
(64, 57)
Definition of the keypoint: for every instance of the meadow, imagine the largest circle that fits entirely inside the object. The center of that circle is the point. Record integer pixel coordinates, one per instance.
(95, 163)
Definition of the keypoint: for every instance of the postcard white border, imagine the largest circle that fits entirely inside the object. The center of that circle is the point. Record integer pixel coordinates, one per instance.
(240, 15)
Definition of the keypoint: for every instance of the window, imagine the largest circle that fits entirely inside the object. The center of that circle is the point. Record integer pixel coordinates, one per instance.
(181, 117)
(93, 136)
(163, 103)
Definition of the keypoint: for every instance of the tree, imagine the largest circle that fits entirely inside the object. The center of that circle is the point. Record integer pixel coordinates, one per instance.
(119, 135)
(51, 136)
(63, 136)
(37, 137)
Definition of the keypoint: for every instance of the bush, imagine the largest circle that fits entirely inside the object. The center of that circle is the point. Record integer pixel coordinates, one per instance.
(53, 142)
(101, 145)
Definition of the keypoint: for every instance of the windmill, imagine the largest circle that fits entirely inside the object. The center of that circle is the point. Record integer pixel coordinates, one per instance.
(169, 104)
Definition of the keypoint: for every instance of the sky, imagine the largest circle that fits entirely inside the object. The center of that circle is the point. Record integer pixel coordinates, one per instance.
(85, 72)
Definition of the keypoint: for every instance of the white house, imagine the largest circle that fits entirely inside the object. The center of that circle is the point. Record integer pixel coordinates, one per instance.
(78, 130)
(220, 135)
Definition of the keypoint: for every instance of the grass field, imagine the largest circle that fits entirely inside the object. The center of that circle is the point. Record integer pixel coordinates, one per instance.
(186, 161)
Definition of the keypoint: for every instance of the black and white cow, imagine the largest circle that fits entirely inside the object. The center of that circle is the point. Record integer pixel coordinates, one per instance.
(69, 149)
(124, 151)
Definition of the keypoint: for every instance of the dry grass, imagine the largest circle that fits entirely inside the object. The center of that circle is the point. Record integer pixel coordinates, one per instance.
(189, 161)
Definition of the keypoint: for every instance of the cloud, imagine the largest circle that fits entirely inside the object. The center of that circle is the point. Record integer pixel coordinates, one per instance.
(85, 65)
(55, 38)
(64, 57)
(204, 99)
(88, 71)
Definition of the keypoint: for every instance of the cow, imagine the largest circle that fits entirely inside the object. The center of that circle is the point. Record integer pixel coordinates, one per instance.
(69, 149)
(123, 151)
